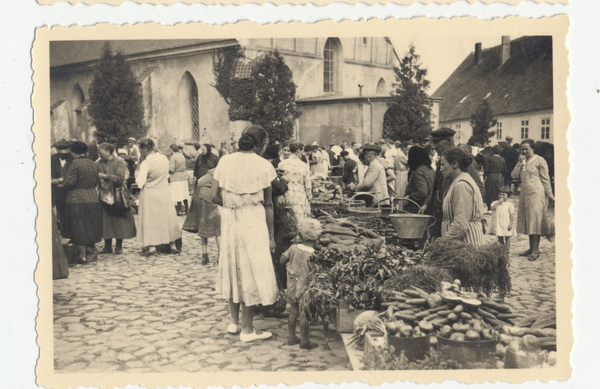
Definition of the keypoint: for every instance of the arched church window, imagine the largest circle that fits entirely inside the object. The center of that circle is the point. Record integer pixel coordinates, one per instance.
(189, 123)
(332, 56)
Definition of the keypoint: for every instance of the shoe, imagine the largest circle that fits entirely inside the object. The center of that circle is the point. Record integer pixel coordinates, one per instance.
(149, 253)
(232, 328)
(106, 250)
(294, 341)
(145, 249)
(254, 336)
(175, 251)
(118, 251)
(525, 253)
(204, 259)
(534, 257)
(308, 346)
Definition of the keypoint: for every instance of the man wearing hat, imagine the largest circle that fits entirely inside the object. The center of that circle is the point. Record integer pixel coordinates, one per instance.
(59, 164)
(442, 140)
(178, 180)
(511, 156)
(133, 151)
(375, 178)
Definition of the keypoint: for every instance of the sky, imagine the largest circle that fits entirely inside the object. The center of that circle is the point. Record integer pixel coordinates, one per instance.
(442, 54)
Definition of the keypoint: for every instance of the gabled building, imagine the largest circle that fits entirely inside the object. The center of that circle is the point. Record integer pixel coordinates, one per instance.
(343, 86)
(515, 78)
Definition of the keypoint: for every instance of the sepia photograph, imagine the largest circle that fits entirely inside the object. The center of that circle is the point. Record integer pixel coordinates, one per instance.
(328, 200)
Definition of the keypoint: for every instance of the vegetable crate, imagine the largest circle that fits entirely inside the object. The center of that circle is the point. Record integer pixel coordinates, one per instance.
(344, 318)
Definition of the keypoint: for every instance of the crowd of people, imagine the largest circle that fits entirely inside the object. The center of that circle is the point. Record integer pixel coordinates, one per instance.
(255, 201)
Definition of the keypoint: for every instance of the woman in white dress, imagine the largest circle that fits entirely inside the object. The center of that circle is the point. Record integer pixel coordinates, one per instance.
(157, 222)
(246, 274)
(297, 174)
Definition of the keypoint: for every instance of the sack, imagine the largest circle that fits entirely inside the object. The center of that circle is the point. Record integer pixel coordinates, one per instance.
(121, 201)
(106, 192)
(286, 221)
(548, 228)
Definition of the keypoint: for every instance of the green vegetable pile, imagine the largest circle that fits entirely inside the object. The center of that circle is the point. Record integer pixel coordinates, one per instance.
(484, 269)
(428, 278)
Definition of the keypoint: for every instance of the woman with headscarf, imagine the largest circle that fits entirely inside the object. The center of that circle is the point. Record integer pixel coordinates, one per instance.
(495, 176)
(157, 222)
(82, 215)
(420, 179)
(116, 225)
(243, 188)
(536, 196)
(205, 161)
(463, 206)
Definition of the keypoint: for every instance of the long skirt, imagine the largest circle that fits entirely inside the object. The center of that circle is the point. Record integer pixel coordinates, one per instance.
(157, 222)
(83, 224)
(493, 183)
(401, 182)
(531, 213)
(204, 218)
(245, 266)
(117, 225)
(179, 191)
(60, 267)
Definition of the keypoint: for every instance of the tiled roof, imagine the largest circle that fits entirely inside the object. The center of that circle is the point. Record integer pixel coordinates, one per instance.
(243, 69)
(522, 84)
(75, 52)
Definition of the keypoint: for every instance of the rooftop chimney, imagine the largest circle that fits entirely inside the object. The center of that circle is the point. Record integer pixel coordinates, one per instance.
(505, 50)
(478, 53)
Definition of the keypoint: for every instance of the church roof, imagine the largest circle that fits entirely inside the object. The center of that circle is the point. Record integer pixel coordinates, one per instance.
(522, 84)
(79, 52)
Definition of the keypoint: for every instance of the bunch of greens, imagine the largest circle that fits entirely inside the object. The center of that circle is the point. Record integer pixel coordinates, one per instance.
(485, 269)
(428, 278)
(435, 360)
(318, 301)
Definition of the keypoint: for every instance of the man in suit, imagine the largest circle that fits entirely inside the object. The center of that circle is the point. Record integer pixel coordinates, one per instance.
(349, 167)
(59, 163)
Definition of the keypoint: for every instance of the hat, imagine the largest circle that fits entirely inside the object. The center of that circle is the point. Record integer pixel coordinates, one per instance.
(100, 134)
(121, 151)
(371, 147)
(62, 146)
(174, 147)
(497, 149)
(509, 138)
(79, 147)
(356, 145)
(442, 133)
(131, 138)
(181, 145)
(344, 153)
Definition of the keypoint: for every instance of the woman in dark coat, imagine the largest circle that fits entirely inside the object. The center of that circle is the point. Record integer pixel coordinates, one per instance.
(116, 225)
(83, 215)
(420, 178)
(206, 160)
(496, 171)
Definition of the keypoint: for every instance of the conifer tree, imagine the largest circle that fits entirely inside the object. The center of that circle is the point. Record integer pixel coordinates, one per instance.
(116, 104)
(409, 113)
(481, 121)
(275, 105)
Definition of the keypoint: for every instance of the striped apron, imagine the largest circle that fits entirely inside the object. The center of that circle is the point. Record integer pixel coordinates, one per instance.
(474, 235)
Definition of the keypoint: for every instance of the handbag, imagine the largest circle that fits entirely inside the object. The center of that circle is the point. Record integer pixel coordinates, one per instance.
(121, 201)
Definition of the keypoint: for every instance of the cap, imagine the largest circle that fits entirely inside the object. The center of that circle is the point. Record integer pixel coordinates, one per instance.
(442, 133)
(62, 145)
(371, 147)
(121, 151)
(131, 138)
(181, 145)
(509, 138)
(79, 147)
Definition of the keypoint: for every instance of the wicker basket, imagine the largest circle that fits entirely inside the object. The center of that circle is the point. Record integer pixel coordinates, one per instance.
(363, 212)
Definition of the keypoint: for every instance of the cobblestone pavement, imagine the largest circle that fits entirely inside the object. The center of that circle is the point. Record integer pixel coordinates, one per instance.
(128, 313)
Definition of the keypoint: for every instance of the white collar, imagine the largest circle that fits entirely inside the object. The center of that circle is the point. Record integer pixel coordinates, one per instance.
(304, 248)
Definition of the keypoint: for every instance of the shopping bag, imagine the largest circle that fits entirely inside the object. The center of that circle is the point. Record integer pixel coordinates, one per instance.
(106, 192)
(548, 229)
(121, 201)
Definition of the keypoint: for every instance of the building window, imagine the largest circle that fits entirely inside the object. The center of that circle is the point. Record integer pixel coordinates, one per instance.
(524, 129)
(545, 128)
(381, 87)
(331, 65)
(387, 124)
(499, 130)
(457, 133)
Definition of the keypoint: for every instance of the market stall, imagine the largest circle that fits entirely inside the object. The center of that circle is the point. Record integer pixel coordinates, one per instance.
(436, 307)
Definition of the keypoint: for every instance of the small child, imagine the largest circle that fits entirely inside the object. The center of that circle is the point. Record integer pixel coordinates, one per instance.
(298, 273)
(503, 218)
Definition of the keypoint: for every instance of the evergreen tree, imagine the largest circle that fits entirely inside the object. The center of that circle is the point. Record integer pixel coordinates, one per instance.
(409, 114)
(116, 104)
(275, 105)
(481, 121)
